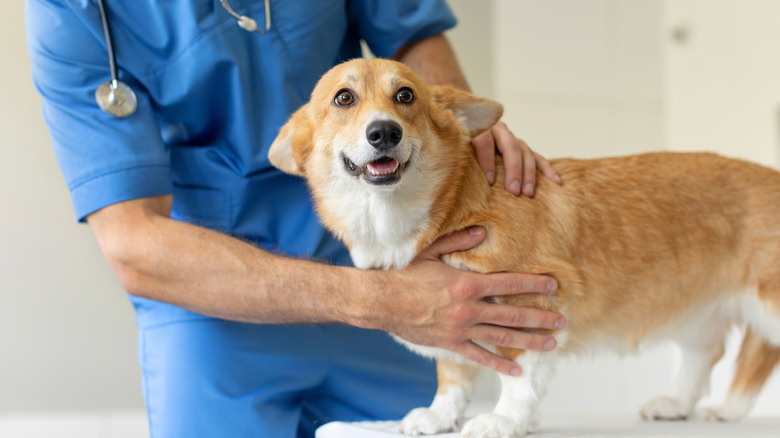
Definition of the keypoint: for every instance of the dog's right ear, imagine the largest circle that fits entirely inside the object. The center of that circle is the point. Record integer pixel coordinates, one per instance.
(293, 144)
(473, 113)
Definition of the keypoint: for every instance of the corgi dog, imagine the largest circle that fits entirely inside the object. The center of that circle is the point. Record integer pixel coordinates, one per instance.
(677, 246)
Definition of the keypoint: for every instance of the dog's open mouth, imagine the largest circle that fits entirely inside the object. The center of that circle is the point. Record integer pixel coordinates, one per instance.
(382, 171)
(382, 167)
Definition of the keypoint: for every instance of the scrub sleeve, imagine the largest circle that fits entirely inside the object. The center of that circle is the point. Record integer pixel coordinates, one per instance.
(211, 98)
(104, 159)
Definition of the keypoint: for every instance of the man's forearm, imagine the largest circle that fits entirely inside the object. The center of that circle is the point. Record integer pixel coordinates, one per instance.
(434, 60)
(218, 275)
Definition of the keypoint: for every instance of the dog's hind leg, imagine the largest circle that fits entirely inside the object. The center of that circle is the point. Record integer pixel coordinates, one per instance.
(760, 351)
(757, 359)
(693, 375)
(456, 381)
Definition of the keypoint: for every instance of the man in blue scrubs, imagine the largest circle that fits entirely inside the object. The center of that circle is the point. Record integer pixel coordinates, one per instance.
(216, 247)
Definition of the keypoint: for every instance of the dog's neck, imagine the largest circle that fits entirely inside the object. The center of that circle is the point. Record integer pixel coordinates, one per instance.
(460, 199)
(387, 230)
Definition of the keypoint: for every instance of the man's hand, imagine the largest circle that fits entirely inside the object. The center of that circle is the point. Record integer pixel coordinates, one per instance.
(430, 303)
(519, 160)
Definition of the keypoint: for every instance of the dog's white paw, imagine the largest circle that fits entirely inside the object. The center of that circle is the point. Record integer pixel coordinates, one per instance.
(665, 408)
(426, 421)
(719, 414)
(733, 409)
(494, 426)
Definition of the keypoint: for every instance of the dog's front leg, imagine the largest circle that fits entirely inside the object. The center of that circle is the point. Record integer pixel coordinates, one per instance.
(517, 410)
(456, 381)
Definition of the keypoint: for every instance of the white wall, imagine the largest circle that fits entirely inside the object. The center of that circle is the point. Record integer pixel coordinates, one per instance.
(581, 78)
(67, 334)
(723, 82)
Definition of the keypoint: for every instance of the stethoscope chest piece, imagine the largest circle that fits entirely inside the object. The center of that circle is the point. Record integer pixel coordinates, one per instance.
(116, 98)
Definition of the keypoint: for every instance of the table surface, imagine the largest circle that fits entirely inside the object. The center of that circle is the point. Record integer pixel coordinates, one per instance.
(590, 426)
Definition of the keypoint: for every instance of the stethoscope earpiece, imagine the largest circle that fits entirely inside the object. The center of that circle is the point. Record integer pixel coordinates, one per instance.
(247, 23)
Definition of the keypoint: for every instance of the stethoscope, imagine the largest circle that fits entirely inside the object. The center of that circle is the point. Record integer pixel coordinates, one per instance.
(116, 97)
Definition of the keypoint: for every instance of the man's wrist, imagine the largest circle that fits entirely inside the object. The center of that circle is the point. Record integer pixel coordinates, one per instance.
(361, 291)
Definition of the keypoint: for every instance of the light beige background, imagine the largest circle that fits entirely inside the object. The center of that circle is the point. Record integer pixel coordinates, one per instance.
(67, 333)
(578, 78)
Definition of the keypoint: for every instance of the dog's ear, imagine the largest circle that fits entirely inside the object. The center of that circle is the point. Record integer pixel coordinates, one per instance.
(293, 144)
(474, 113)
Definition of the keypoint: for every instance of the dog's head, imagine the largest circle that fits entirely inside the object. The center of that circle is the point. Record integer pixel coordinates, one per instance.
(374, 123)
(376, 147)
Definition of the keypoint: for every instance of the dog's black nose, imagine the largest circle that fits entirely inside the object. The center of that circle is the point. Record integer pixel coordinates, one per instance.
(384, 134)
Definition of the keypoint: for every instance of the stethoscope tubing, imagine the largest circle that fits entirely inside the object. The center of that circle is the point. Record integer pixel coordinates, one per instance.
(117, 98)
(109, 41)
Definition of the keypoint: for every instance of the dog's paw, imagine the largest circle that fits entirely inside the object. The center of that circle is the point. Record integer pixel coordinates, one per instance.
(731, 410)
(665, 408)
(718, 414)
(494, 426)
(426, 421)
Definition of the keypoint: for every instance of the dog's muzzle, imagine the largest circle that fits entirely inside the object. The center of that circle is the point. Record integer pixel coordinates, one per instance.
(385, 169)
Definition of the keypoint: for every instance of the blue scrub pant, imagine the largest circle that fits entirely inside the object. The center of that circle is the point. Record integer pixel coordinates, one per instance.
(214, 378)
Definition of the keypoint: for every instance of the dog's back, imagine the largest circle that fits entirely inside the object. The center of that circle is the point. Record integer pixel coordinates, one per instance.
(687, 227)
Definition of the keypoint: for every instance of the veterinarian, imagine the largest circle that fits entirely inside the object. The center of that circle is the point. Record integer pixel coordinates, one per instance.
(167, 164)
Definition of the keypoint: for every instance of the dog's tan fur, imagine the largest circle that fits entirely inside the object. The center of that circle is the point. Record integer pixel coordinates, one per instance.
(638, 244)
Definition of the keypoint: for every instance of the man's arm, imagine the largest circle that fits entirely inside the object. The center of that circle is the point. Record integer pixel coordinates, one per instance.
(434, 60)
(212, 273)
(218, 275)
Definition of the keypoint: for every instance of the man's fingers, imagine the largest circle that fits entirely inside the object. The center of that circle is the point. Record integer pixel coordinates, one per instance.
(458, 241)
(546, 168)
(520, 162)
(482, 357)
(510, 284)
(520, 340)
(485, 147)
(507, 315)
(510, 148)
(529, 169)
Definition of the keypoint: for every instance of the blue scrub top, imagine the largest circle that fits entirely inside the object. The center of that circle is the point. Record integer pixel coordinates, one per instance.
(211, 99)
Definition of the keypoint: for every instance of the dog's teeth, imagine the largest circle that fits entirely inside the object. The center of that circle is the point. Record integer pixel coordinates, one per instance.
(383, 168)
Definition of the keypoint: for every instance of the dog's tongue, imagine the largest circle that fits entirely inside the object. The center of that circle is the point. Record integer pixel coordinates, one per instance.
(383, 166)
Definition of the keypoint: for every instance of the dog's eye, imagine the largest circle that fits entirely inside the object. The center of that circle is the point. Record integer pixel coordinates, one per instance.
(405, 95)
(344, 98)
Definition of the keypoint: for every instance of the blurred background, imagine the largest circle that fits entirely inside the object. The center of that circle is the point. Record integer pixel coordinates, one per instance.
(581, 78)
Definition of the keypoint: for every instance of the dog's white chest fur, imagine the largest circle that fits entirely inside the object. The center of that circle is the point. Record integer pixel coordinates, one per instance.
(367, 256)
(383, 227)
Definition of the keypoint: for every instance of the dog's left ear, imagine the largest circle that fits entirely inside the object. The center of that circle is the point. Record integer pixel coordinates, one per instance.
(293, 144)
(474, 113)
